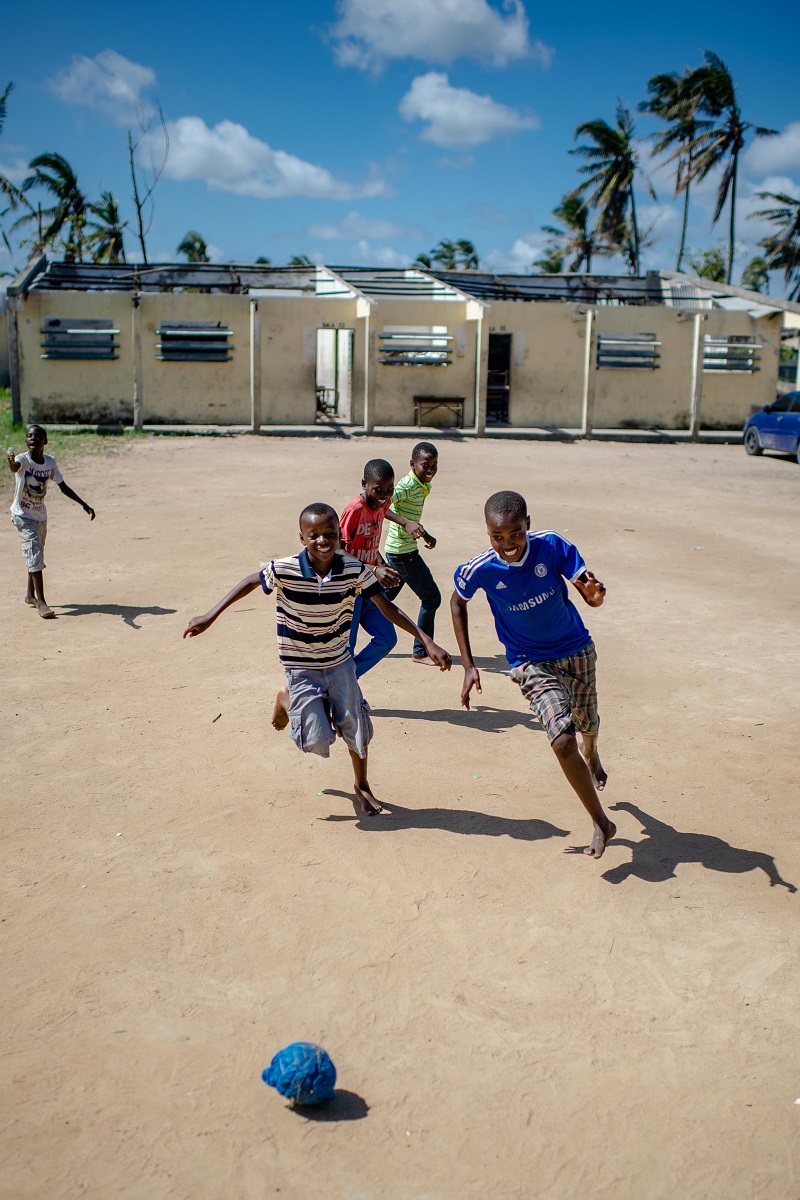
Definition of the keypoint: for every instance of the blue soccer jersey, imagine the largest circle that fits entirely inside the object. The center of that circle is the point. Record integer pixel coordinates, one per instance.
(533, 615)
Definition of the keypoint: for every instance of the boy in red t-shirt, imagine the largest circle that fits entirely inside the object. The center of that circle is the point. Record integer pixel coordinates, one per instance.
(361, 524)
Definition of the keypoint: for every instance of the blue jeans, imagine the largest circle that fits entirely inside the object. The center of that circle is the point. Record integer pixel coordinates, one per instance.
(382, 635)
(414, 571)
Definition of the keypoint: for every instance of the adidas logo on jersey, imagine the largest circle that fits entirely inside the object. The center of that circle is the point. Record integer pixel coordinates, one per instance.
(500, 585)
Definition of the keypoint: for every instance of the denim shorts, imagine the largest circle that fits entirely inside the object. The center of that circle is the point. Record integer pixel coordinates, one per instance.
(33, 534)
(324, 703)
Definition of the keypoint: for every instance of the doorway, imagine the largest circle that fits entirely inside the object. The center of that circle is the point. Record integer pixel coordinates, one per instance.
(334, 374)
(498, 381)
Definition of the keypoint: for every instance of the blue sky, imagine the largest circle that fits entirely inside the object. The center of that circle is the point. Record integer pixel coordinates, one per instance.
(363, 131)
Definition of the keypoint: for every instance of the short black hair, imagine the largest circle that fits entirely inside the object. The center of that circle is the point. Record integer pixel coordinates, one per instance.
(318, 510)
(424, 448)
(41, 429)
(509, 506)
(377, 468)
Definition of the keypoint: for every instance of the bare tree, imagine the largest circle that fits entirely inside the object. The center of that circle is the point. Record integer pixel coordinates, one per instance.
(144, 179)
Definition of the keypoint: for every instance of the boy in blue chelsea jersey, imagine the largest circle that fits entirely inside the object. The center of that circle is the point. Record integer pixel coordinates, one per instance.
(548, 647)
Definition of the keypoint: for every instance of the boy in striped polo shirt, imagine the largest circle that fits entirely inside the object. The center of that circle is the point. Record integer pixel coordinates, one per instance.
(402, 554)
(316, 590)
(548, 647)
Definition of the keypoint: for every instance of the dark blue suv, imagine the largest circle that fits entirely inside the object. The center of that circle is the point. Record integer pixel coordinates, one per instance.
(775, 427)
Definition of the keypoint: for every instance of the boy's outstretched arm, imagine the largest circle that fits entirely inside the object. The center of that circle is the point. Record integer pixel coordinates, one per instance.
(68, 492)
(399, 618)
(201, 624)
(590, 587)
(472, 676)
(13, 465)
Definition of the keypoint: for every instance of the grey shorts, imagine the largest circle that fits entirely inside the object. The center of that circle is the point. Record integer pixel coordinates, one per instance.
(324, 703)
(562, 693)
(33, 534)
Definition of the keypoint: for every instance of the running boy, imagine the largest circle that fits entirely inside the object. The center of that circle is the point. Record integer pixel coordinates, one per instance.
(550, 651)
(34, 469)
(360, 525)
(402, 554)
(316, 590)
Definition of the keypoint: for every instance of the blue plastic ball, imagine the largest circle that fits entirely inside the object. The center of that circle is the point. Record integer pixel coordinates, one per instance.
(302, 1072)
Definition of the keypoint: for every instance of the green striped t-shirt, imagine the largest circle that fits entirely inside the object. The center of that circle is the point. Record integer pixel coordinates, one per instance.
(409, 496)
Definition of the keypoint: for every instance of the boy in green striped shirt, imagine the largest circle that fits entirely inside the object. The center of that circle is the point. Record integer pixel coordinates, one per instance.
(401, 550)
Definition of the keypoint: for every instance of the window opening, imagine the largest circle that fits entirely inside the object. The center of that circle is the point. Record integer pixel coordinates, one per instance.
(725, 354)
(627, 352)
(194, 341)
(77, 337)
(415, 346)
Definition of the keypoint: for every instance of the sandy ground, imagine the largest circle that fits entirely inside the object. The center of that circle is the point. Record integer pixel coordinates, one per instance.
(185, 893)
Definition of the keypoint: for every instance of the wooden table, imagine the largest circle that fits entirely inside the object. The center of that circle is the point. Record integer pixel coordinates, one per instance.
(424, 405)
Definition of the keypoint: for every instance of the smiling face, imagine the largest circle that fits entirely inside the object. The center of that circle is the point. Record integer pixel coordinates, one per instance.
(320, 536)
(35, 440)
(425, 466)
(378, 492)
(509, 536)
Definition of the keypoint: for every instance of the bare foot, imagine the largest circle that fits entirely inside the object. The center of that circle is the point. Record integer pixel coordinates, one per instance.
(280, 713)
(44, 610)
(601, 838)
(369, 805)
(424, 659)
(31, 600)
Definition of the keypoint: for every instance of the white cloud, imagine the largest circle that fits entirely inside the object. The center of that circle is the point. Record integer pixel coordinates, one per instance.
(519, 259)
(775, 155)
(109, 83)
(378, 256)
(16, 171)
(353, 226)
(457, 116)
(368, 33)
(229, 159)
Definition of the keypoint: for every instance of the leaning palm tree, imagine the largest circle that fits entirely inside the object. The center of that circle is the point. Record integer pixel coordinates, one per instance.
(611, 163)
(675, 100)
(424, 261)
(67, 216)
(194, 248)
(445, 255)
(782, 248)
(574, 236)
(722, 141)
(106, 236)
(468, 259)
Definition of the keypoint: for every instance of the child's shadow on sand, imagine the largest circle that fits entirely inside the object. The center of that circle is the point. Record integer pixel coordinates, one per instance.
(128, 612)
(451, 820)
(655, 858)
(480, 716)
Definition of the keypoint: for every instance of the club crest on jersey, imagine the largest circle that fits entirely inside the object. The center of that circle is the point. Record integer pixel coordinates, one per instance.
(540, 569)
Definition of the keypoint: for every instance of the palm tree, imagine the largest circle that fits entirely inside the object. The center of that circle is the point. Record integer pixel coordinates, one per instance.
(708, 264)
(573, 235)
(722, 141)
(262, 261)
(52, 172)
(445, 255)
(782, 248)
(424, 261)
(468, 255)
(755, 276)
(675, 100)
(611, 163)
(552, 263)
(8, 189)
(300, 260)
(194, 248)
(106, 239)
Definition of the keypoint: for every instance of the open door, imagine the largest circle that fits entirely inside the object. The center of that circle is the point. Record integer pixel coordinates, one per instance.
(334, 375)
(498, 383)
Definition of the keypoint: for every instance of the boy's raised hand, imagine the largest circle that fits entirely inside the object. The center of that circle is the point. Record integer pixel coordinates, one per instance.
(592, 590)
(472, 679)
(12, 458)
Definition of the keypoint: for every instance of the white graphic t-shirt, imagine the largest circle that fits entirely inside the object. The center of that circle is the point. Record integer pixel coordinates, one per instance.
(31, 486)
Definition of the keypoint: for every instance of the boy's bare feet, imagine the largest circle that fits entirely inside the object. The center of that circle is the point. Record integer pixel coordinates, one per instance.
(588, 749)
(600, 840)
(280, 713)
(424, 659)
(31, 600)
(369, 805)
(44, 609)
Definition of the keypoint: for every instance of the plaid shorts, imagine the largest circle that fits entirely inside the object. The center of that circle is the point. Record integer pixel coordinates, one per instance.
(33, 534)
(562, 693)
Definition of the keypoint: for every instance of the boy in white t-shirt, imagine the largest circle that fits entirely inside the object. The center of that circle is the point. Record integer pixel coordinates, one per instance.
(34, 469)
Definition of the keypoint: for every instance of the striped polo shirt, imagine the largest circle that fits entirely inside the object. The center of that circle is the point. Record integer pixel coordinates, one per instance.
(409, 496)
(315, 614)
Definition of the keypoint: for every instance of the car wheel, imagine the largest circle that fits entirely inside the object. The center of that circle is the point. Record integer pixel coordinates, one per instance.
(797, 451)
(752, 442)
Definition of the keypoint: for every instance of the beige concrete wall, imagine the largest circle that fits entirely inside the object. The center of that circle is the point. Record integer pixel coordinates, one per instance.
(547, 351)
(395, 387)
(4, 375)
(643, 398)
(728, 400)
(289, 327)
(82, 390)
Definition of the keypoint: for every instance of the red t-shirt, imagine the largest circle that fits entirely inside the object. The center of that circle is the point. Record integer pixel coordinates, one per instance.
(361, 530)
